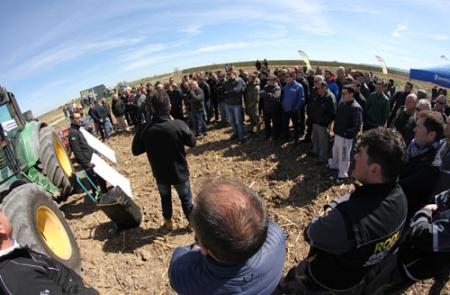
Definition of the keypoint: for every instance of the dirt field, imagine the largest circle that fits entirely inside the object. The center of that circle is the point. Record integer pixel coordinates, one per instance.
(294, 187)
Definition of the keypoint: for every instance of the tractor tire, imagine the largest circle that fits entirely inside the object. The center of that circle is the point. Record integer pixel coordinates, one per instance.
(54, 161)
(39, 224)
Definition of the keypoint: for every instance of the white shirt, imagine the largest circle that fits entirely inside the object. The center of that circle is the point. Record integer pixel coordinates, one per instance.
(10, 249)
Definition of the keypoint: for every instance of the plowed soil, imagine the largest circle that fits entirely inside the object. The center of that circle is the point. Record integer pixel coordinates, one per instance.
(136, 261)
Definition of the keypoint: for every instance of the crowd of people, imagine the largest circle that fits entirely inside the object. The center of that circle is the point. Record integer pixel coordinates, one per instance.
(391, 231)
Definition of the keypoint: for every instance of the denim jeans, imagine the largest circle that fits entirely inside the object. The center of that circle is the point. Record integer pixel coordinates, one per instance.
(199, 122)
(184, 193)
(100, 127)
(108, 125)
(223, 112)
(234, 114)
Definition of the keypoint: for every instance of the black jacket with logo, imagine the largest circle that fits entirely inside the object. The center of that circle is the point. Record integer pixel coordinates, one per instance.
(361, 230)
(25, 272)
(79, 146)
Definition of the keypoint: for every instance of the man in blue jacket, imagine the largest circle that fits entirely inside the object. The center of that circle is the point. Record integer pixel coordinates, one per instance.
(293, 100)
(238, 250)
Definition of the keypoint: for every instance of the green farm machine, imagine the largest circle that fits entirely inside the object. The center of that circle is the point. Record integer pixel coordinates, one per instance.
(35, 173)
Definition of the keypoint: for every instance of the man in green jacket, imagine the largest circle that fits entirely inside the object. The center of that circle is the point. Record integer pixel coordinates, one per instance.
(377, 108)
(251, 100)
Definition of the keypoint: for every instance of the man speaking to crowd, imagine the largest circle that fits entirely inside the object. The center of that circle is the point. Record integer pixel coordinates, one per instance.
(164, 140)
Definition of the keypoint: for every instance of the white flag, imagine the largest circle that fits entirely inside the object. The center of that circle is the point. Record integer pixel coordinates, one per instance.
(305, 59)
(383, 64)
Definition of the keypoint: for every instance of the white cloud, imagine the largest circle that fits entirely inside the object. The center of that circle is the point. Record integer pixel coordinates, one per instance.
(399, 29)
(191, 30)
(312, 14)
(141, 52)
(225, 46)
(439, 37)
(63, 53)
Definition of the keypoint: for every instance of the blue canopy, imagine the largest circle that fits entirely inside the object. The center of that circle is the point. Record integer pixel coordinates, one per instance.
(437, 75)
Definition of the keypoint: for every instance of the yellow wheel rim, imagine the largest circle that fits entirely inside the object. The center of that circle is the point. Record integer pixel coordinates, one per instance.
(53, 233)
(63, 158)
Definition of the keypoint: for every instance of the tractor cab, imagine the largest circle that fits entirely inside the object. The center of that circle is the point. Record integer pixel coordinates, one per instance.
(11, 118)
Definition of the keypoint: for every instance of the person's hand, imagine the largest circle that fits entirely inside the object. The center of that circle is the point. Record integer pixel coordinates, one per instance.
(431, 207)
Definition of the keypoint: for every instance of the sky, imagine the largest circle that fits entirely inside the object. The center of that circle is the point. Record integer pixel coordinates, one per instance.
(51, 50)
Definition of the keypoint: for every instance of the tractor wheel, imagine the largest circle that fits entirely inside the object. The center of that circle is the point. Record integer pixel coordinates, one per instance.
(39, 224)
(55, 162)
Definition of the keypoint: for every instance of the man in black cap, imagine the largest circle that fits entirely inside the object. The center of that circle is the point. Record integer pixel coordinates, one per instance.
(270, 96)
(163, 140)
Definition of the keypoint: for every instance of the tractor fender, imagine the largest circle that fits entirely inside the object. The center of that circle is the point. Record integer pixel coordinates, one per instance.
(27, 145)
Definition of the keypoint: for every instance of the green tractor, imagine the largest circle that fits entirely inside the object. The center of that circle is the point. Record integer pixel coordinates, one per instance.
(35, 171)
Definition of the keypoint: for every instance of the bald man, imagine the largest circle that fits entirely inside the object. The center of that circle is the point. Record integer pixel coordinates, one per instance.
(25, 272)
(239, 250)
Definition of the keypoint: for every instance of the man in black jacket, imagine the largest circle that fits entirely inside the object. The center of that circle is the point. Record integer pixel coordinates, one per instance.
(176, 101)
(398, 101)
(358, 234)
(83, 152)
(270, 97)
(233, 92)
(322, 112)
(219, 96)
(119, 110)
(99, 114)
(424, 254)
(196, 99)
(346, 128)
(422, 172)
(405, 122)
(163, 141)
(207, 95)
(25, 272)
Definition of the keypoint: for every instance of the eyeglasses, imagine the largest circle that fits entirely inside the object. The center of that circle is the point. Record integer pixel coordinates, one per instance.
(418, 109)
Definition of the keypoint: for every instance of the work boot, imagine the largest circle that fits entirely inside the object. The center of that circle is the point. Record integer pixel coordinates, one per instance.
(258, 127)
(167, 225)
(189, 228)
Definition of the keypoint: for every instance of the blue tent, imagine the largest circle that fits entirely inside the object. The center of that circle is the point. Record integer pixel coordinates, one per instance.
(437, 75)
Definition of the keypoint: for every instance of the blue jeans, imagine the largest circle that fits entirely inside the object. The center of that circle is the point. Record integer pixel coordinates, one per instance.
(108, 125)
(199, 121)
(184, 193)
(223, 112)
(234, 115)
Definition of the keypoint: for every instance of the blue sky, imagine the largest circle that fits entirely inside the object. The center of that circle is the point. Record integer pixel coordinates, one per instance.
(53, 49)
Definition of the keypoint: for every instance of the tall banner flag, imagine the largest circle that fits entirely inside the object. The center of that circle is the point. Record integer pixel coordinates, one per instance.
(305, 59)
(443, 57)
(383, 64)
